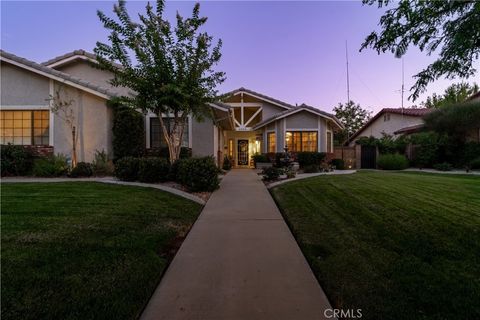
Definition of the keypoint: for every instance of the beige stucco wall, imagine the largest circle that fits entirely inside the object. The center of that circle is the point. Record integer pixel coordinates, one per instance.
(303, 119)
(85, 71)
(93, 121)
(22, 88)
(396, 122)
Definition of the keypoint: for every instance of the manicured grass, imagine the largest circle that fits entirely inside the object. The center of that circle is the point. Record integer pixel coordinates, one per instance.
(86, 250)
(396, 245)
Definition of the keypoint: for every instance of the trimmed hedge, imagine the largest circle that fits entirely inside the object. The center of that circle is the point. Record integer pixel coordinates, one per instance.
(126, 169)
(310, 158)
(198, 174)
(83, 169)
(164, 153)
(392, 162)
(16, 160)
(259, 157)
(153, 170)
(475, 163)
(311, 168)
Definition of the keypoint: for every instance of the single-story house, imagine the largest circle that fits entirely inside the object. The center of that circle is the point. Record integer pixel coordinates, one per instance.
(245, 122)
(391, 121)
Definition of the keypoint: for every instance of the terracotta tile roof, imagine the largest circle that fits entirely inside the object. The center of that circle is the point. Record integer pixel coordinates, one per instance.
(56, 73)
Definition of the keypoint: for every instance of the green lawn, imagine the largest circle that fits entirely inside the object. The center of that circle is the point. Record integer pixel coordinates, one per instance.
(397, 245)
(86, 250)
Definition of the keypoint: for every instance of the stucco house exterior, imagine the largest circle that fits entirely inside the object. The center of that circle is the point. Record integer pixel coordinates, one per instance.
(244, 123)
(391, 121)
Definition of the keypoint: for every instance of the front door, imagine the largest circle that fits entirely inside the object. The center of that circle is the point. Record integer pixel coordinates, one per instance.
(242, 153)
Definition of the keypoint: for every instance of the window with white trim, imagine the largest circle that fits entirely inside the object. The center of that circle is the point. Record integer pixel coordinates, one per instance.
(25, 127)
(157, 139)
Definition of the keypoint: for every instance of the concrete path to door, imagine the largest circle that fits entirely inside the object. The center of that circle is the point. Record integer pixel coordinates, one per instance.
(239, 261)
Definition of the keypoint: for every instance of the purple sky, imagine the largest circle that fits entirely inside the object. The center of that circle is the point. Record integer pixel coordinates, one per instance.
(293, 51)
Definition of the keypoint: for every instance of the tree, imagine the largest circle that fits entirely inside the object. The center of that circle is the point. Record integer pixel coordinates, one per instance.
(171, 70)
(449, 25)
(63, 108)
(454, 94)
(352, 116)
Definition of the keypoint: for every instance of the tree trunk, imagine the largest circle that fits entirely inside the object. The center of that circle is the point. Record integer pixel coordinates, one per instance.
(173, 137)
(74, 148)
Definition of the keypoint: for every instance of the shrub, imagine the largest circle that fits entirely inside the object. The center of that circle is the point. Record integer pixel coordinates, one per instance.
(198, 174)
(392, 162)
(173, 173)
(15, 160)
(153, 170)
(445, 166)
(310, 158)
(227, 164)
(471, 151)
(259, 157)
(164, 153)
(426, 150)
(83, 169)
(128, 133)
(126, 169)
(311, 168)
(339, 164)
(475, 163)
(102, 165)
(271, 173)
(51, 166)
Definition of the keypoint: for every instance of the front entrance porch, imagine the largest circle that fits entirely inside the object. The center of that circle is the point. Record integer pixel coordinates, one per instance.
(241, 146)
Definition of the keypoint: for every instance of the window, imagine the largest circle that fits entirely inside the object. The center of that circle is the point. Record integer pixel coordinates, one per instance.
(301, 141)
(157, 140)
(230, 148)
(271, 142)
(26, 127)
(386, 117)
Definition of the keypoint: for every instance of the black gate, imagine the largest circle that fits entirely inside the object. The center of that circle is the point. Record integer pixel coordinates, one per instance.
(369, 157)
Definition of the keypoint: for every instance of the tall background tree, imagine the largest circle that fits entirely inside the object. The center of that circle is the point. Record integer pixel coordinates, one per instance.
(449, 25)
(454, 94)
(353, 117)
(169, 69)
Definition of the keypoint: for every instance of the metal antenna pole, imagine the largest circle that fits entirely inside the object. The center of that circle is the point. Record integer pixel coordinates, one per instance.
(348, 79)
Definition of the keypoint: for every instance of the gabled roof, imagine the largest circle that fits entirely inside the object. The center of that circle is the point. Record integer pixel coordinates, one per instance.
(67, 57)
(411, 129)
(259, 96)
(411, 112)
(294, 110)
(56, 75)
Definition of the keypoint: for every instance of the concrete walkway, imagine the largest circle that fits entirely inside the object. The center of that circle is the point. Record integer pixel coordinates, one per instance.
(239, 261)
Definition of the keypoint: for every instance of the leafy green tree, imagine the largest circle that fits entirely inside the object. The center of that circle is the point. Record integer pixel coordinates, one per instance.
(352, 116)
(454, 94)
(170, 70)
(451, 26)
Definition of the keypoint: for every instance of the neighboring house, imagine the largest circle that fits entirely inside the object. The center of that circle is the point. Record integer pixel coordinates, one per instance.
(391, 121)
(244, 123)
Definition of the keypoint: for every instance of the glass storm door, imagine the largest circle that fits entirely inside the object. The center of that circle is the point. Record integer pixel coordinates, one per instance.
(242, 153)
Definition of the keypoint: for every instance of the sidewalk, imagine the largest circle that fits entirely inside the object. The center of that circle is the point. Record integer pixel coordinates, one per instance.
(239, 261)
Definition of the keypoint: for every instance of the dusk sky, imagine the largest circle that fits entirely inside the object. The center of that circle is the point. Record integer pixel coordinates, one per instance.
(293, 51)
